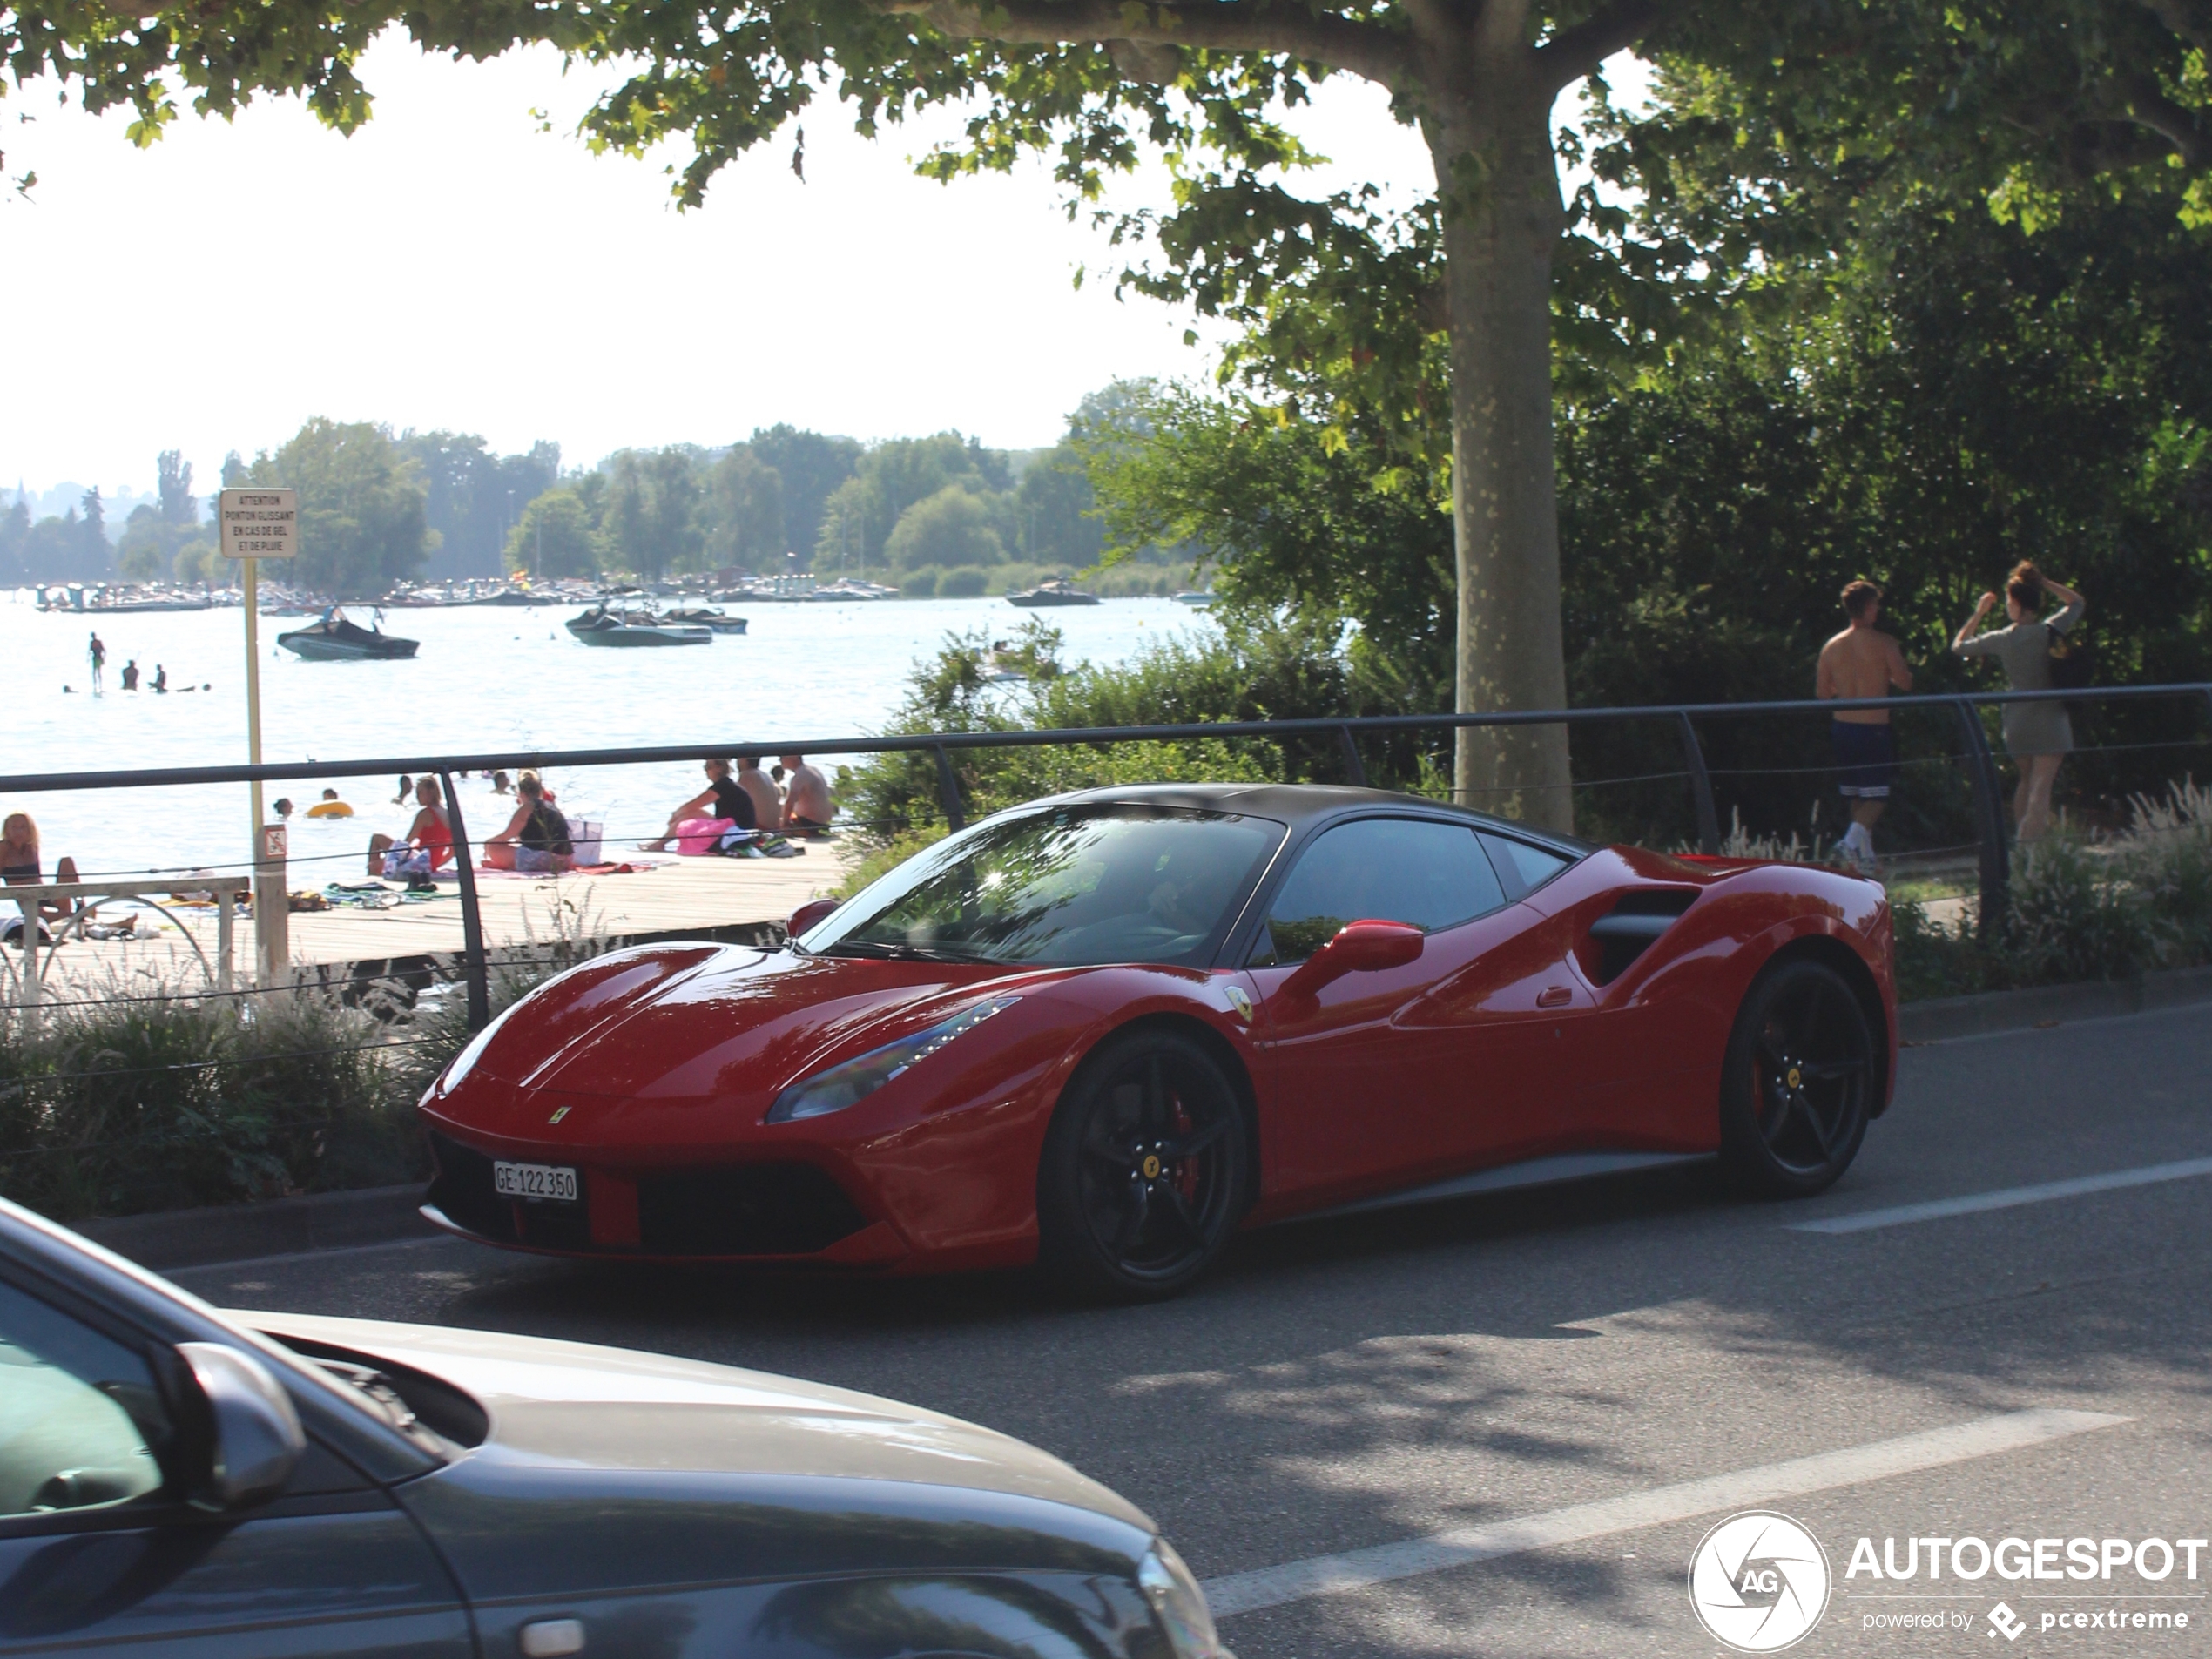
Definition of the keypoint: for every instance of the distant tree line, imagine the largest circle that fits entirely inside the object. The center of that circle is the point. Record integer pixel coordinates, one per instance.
(377, 509)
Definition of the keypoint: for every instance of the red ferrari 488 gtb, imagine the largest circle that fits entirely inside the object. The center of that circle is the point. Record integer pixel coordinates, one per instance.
(1104, 1030)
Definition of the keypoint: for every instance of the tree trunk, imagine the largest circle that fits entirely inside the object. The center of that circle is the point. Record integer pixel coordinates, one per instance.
(1498, 185)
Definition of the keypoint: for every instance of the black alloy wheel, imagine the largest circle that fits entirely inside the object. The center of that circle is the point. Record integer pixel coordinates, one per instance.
(1144, 1170)
(1797, 1086)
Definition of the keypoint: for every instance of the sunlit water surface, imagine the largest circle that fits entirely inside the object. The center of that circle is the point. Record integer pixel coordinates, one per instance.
(484, 680)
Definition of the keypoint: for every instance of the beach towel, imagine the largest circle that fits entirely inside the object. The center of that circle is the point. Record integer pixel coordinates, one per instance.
(698, 836)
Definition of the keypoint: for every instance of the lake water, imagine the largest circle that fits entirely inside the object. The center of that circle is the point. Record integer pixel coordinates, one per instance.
(484, 680)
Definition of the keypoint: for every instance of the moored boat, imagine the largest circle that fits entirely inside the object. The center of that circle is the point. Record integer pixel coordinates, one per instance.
(610, 624)
(333, 639)
(1055, 591)
(1201, 600)
(720, 622)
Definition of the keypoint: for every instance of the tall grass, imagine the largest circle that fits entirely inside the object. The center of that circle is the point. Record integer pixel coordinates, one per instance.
(148, 1096)
(2080, 910)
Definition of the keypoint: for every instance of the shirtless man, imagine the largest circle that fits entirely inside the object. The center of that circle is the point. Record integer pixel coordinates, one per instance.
(1862, 662)
(767, 806)
(807, 805)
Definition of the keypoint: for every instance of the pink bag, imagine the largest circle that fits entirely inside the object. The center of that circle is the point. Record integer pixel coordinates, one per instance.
(695, 836)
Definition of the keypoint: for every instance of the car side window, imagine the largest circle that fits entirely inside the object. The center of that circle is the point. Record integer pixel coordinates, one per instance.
(1389, 869)
(78, 1413)
(1520, 866)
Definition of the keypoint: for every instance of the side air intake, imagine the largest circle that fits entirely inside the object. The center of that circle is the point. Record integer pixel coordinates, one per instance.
(1627, 931)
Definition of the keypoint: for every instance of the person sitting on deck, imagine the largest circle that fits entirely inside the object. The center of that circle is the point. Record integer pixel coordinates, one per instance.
(20, 867)
(535, 841)
(721, 799)
(767, 805)
(807, 806)
(428, 846)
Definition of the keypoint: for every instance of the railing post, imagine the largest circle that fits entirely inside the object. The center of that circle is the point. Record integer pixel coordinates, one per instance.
(1700, 788)
(271, 908)
(1989, 819)
(1355, 770)
(30, 980)
(472, 920)
(949, 789)
(225, 935)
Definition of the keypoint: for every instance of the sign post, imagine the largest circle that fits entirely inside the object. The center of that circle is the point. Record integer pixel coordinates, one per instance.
(260, 524)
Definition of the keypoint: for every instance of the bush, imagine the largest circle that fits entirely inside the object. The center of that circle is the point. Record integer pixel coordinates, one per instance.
(917, 584)
(147, 1098)
(1246, 670)
(966, 583)
(2081, 911)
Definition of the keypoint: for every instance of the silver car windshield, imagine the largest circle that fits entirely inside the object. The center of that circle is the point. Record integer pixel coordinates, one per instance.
(1072, 886)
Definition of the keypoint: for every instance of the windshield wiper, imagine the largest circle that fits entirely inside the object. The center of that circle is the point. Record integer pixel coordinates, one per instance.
(878, 950)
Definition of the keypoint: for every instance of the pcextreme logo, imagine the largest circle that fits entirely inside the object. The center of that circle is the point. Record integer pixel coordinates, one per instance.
(1758, 1581)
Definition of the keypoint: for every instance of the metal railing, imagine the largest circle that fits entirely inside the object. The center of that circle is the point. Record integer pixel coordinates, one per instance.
(1964, 708)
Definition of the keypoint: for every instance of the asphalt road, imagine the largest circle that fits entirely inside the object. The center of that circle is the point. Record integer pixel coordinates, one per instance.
(1570, 1358)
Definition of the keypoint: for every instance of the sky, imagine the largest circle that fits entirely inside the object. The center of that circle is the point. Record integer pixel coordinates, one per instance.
(452, 265)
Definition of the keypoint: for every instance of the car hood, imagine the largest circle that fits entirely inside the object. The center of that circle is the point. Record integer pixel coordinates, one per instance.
(685, 1022)
(583, 1407)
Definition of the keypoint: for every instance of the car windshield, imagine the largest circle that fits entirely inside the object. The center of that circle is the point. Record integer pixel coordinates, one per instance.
(1062, 886)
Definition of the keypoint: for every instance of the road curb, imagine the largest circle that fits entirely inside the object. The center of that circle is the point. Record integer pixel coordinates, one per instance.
(2045, 1005)
(235, 1232)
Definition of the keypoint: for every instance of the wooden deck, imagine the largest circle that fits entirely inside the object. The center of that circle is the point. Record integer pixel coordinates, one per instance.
(686, 893)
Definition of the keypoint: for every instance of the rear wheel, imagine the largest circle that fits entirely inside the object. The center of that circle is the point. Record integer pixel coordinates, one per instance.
(1797, 1087)
(1144, 1170)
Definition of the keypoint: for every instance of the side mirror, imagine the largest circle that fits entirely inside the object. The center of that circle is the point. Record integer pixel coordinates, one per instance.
(1359, 948)
(804, 918)
(253, 1436)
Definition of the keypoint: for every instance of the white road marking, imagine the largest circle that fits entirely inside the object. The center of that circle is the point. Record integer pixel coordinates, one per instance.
(2005, 1198)
(1356, 1569)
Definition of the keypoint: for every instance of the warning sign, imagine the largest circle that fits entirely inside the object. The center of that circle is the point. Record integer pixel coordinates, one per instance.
(259, 523)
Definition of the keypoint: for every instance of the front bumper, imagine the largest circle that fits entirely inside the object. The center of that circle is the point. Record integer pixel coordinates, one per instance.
(783, 1211)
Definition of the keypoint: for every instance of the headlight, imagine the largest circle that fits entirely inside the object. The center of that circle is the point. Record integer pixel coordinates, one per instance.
(854, 1081)
(1179, 1604)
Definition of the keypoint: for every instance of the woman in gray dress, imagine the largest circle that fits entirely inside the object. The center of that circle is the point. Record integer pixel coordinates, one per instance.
(2038, 734)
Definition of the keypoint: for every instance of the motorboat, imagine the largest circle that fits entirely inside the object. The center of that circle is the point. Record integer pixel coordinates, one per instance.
(105, 601)
(1200, 600)
(720, 622)
(333, 639)
(511, 596)
(1055, 591)
(1002, 665)
(847, 587)
(611, 623)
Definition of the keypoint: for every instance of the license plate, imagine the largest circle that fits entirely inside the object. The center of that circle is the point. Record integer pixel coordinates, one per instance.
(555, 1182)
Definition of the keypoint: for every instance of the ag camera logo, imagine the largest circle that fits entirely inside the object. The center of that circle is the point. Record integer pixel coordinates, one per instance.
(1758, 1581)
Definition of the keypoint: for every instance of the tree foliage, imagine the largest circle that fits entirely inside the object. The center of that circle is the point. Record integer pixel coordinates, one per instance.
(555, 537)
(362, 525)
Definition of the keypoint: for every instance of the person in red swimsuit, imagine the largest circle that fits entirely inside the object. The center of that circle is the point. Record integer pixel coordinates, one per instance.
(428, 846)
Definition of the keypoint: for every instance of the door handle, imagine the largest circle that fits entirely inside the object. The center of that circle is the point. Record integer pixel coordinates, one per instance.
(1553, 997)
